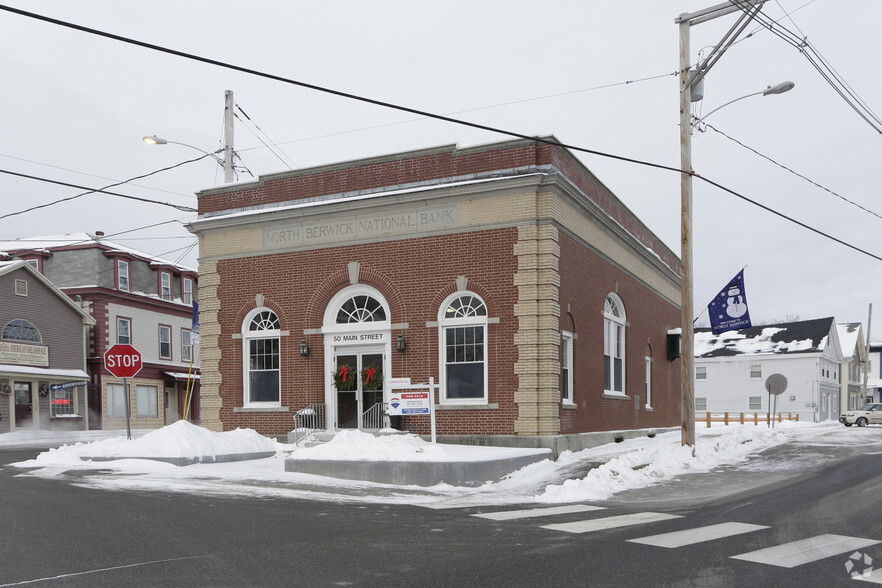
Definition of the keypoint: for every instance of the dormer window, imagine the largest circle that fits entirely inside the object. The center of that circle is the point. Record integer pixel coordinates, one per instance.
(187, 291)
(165, 287)
(122, 275)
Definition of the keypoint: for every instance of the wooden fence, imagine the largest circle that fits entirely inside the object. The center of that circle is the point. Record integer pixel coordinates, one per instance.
(756, 418)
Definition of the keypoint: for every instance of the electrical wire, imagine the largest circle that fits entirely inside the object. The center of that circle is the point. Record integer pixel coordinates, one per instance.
(427, 114)
(99, 190)
(290, 163)
(797, 174)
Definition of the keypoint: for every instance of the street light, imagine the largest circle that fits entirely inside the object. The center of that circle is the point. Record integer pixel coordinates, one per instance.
(769, 91)
(154, 140)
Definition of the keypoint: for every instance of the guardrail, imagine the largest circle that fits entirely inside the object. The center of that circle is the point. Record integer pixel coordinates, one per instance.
(374, 418)
(756, 418)
(307, 421)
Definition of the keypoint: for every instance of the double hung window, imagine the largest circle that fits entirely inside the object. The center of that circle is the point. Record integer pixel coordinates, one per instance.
(613, 345)
(463, 329)
(261, 332)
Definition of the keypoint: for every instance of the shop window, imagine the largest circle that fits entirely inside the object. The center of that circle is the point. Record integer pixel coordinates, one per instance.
(123, 331)
(613, 346)
(21, 330)
(116, 401)
(261, 332)
(187, 289)
(62, 401)
(566, 367)
(145, 401)
(463, 329)
(186, 345)
(122, 275)
(165, 286)
(165, 345)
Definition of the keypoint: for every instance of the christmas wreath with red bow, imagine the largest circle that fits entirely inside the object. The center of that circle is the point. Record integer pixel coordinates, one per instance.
(344, 378)
(371, 378)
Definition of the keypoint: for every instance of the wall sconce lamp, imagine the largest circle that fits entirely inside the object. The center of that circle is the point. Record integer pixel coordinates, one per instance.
(401, 344)
(304, 348)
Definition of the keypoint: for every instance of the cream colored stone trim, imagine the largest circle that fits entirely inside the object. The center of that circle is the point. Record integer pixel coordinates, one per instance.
(209, 332)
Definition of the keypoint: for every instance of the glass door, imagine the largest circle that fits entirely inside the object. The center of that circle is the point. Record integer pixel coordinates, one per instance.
(358, 378)
(23, 410)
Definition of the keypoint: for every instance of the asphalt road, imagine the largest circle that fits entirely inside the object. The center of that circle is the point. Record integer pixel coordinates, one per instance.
(56, 533)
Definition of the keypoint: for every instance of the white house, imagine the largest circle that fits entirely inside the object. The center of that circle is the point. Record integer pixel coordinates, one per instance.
(731, 369)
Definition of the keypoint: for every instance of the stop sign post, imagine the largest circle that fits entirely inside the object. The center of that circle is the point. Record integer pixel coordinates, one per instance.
(123, 361)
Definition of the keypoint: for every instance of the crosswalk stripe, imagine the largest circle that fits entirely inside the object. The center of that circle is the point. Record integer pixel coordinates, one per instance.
(611, 522)
(698, 535)
(510, 515)
(790, 555)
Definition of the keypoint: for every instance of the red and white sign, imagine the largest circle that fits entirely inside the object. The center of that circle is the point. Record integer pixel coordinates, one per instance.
(405, 403)
(123, 361)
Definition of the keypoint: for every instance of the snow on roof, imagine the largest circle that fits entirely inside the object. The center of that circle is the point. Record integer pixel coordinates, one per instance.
(848, 337)
(49, 242)
(796, 337)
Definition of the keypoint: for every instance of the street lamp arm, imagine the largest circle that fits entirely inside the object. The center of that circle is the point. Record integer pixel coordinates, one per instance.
(769, 91)
(154, 140)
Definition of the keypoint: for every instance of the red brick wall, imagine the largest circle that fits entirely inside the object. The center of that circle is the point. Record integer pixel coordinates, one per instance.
(586, 280)
(414, 276)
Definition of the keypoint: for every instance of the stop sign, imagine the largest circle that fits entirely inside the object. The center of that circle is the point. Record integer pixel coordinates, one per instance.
(123, 361)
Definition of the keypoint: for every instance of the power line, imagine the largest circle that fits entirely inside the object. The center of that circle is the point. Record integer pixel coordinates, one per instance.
(93, 190)
(424, 113)
(797, 174)
(290, 163)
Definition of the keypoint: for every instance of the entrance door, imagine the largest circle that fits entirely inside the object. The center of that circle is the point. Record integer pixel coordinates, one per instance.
(358, 377)
(24, 413)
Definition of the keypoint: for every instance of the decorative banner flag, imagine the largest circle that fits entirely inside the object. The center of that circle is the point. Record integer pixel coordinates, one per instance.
(195, 323)
(728, 310)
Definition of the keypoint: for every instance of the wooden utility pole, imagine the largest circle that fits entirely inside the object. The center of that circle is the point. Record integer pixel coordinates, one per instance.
(228, 136)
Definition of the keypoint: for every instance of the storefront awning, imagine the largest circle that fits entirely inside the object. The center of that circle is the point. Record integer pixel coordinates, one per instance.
(13, 371)
(182, 376)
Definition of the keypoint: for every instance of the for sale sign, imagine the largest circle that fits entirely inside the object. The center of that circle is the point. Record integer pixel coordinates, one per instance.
(405, 403)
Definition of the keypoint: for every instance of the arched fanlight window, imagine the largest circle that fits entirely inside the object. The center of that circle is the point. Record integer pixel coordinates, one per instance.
(261, 338)
(613, 345)
(21, 330)
(361, 309)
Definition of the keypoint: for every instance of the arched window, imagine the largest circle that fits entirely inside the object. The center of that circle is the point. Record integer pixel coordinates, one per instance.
(361, 309)
(21, 330)
(462, 323)
(261, 333)
(613, 345)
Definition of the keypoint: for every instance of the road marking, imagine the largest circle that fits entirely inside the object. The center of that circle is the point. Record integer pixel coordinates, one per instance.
(698, 535)
(874, 577)
(611, 522)
(510, 515)
(790, 555)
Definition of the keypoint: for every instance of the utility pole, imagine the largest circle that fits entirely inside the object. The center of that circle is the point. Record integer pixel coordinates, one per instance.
(228, 136)
(688, 80)
(867, 362)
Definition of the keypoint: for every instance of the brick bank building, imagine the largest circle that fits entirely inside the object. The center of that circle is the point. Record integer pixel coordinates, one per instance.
(538, 302)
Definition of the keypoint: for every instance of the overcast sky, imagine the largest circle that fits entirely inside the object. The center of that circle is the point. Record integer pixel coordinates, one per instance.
(75, 107)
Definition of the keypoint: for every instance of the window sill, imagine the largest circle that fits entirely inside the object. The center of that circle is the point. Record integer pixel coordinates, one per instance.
(569, 405)
(611, 396)
(648, 408)
(261, 409)
(467, 406)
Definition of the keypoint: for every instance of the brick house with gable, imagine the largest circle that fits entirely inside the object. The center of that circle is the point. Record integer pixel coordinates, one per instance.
(507, 272)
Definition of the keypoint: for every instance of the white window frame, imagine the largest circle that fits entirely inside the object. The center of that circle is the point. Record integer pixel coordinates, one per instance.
(614, 341)
(122, 276)
(127, 321)
(446, 323)
(167, 340)
(648, 361)
(116, 401)
(187, 291)
(165, 286)
(186, 345)
(146, 401)
(248, 336)
(62, 394)
(756, 370)
(754, 403)
(701, 404)
(566, 368)
(700, 372)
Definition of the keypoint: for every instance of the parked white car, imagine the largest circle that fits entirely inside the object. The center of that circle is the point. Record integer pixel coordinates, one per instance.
(869, 414)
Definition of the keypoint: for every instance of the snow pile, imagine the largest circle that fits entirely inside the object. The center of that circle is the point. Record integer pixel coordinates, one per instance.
(651, 465)
(359, 446)
(181, 439)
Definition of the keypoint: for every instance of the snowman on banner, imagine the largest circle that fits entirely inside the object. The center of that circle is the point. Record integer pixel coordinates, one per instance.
(735, 305)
